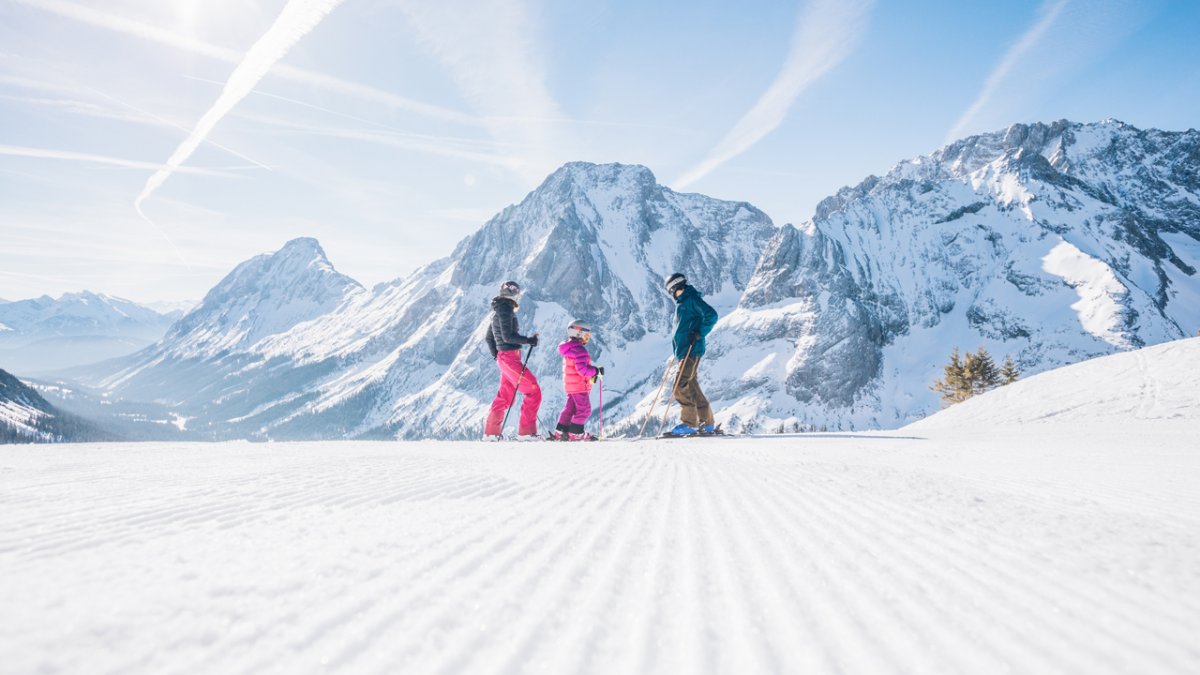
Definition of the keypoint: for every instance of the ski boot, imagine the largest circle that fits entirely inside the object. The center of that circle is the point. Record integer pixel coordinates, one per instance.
(682, 429)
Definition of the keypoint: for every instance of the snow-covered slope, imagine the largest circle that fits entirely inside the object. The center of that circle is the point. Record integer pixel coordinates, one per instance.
(46, 334)
(1152, 383)
(1050, 243)
(26, 417)
(1069, 550)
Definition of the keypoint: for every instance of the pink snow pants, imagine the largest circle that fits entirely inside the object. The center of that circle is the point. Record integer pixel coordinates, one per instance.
(577, 409)
(510, 372)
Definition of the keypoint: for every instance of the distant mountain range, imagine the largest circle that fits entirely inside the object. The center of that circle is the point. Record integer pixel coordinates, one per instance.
(1052, 243)
(46, 334)
(26, 417)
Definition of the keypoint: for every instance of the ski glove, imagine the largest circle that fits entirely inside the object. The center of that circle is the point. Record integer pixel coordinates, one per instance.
(533, 340)
(599, 374)
(694, 337)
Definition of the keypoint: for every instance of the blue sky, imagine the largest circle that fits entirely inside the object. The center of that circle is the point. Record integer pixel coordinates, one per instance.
(390, 129)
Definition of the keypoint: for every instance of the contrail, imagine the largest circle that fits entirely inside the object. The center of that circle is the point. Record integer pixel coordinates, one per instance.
(296, 20)
(169, 123)
(1014, 54)
(81, 107)
(45, 153)
(119, 24)
(826, 33)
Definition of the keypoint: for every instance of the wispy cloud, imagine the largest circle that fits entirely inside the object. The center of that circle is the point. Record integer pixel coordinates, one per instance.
(1049, 14)
(296, 20)
(490, 49)
(132, 113)
(827, 32)
(430, 145)
(47, 153)
(152, 33)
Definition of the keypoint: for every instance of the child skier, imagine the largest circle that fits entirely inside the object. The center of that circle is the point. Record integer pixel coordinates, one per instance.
(578, 376)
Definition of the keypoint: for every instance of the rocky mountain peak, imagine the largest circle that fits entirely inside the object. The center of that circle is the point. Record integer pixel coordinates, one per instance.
(263, 296)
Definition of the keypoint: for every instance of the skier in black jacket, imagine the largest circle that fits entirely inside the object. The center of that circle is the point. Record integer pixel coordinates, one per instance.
(505, 341)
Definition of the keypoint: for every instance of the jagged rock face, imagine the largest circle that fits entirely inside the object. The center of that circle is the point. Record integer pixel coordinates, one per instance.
(1052, 243)
(599, 240)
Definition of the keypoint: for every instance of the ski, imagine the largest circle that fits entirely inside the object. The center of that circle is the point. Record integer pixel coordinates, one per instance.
(718, 432)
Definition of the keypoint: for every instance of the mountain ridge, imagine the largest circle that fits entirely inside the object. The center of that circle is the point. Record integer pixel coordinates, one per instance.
(1051, 242)
(46, 334)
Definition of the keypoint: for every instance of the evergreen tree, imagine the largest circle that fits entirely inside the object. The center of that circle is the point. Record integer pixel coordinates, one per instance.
(970, 375)
(1009, 372)
(953, 384)
(981, 372)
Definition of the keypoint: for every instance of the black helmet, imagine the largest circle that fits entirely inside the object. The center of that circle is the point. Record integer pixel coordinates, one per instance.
(674, 282)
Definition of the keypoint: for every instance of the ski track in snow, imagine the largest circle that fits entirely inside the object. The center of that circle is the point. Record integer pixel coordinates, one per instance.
(1041, 551)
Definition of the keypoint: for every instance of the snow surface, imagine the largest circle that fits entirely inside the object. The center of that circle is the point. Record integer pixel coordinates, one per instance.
(1066, 539)
(1069, 549)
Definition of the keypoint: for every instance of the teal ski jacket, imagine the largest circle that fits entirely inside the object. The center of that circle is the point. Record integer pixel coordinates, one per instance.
(694, 320)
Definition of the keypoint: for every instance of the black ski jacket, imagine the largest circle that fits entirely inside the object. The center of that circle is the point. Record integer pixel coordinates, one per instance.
(503, 335)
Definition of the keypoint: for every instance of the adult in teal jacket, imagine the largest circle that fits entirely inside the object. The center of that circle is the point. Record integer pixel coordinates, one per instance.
(694, 320)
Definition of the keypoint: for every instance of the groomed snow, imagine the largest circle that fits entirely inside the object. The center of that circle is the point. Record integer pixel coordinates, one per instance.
(1052, 526)
(1065, 549)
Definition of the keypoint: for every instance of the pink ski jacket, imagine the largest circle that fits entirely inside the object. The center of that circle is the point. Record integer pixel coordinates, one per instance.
(578, 370)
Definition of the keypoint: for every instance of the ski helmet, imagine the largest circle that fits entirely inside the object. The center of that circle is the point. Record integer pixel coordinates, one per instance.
(579, 330)
(675, 281)
(510, 289)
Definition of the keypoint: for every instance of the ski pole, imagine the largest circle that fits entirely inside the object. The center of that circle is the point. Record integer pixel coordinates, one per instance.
(682, 365)
(657, 395)
(601, 383)
(516, 388)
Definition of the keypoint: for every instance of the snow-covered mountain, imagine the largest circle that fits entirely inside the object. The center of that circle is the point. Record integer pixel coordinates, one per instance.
(26, 417)
(407, 358)
(1052, 243)
(264, 296)
(47, 334)
(206, 360)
